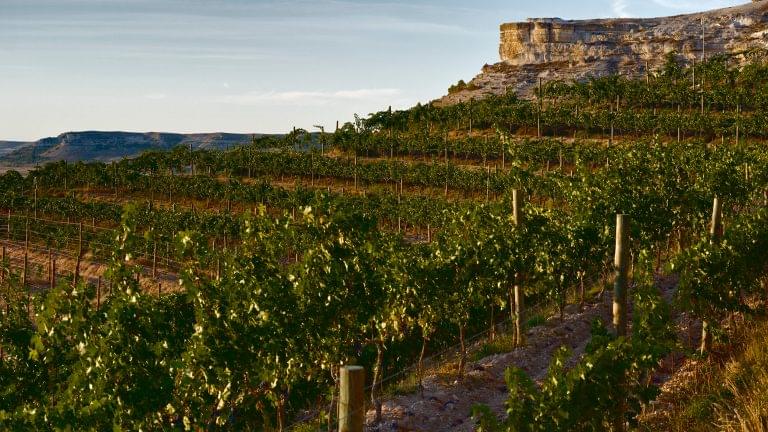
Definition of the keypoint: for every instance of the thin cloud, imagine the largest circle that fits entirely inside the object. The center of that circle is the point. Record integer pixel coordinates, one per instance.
(619, 8)
(686, 5)
(155, 96)
(16, 67)
(307, 98)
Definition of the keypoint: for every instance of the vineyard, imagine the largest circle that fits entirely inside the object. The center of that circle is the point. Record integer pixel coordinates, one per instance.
(224, 290)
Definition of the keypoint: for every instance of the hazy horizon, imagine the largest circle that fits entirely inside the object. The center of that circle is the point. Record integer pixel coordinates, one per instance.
(238, 66)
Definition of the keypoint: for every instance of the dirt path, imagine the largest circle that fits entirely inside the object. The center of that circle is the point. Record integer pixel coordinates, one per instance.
(447, 404)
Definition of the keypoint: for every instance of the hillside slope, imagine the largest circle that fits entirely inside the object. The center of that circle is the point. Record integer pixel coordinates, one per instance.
(106, 146)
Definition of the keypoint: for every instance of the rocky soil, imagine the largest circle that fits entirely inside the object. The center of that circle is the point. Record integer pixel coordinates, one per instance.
(446, 403)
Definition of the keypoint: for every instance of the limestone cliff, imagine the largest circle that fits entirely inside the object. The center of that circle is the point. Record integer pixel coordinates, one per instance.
(552, 48)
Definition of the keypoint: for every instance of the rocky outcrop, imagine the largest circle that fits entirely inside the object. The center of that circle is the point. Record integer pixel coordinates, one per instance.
(552, 48)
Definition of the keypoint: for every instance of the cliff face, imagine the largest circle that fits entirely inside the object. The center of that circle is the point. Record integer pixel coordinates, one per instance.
(552, 48)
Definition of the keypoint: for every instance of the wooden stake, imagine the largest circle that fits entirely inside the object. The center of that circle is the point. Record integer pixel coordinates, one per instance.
(503, 155)
(351, 399)
(154, 260)
(715, 228)
(516, 207)
(488, 185)
(538, 114)
(35, 199)
(76, 278)
(446, 169)
(621, 274)
(647, 73)
(518, 294)
(715, 233)
(98, 293)
(26, 255)
(50, 269)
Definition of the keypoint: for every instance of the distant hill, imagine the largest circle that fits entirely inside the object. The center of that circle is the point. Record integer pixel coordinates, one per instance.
(107, 146)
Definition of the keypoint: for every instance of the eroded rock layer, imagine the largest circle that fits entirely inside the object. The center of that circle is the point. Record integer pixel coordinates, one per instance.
(552, 48)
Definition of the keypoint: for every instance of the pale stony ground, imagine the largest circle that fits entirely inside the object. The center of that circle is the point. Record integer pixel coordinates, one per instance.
(446, 404)
(90, 269)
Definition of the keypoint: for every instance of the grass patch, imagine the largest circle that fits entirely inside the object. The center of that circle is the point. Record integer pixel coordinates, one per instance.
(409, 384)
(535, 321)
(726, 392)
(503, 343)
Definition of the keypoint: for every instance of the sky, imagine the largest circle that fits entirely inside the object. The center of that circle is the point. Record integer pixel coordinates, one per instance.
(251, 66)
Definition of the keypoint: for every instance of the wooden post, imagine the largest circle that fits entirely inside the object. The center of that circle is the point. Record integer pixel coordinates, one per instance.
(516, 206)
(715, 233)
(518, 294)
(538, 114)
(352, 399)
(98, 293)
(610, 139)
(192, 160)
(446, 168)
(488, 185)
(154, 260)
(621, 274)
(218, 262)
(26, 255)
(647, 73)
(76, 278)
(715, 229)
(355, 170)
(693, 78)
(2, 266)
(35, 199)
(399, 199)
(703, 40)
(50, 269)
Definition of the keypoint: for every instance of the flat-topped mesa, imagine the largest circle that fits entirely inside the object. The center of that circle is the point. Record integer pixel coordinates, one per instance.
(553, 48)
(552, 40)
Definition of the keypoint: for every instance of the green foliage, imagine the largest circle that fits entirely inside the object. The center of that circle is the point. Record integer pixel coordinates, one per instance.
(296, 297)
(610, 380)
(716, 277)
(461, 86)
